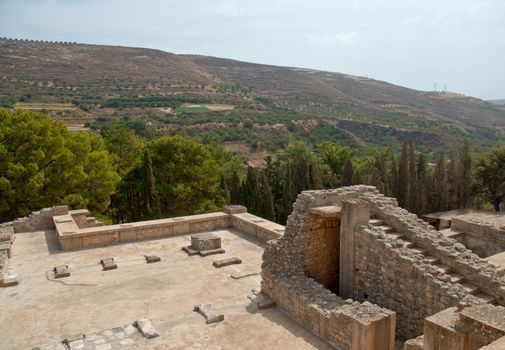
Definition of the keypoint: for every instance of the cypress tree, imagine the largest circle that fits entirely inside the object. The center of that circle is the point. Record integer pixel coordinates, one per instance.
(403, 194)
(267, 203)
(394, 178)
(413, 191)
(452, 184)
(464, 169)
(439, 190)
(153, 207)
(250, 191)
(224, 189)
(348, 172)
(235, 189)
(422, 184)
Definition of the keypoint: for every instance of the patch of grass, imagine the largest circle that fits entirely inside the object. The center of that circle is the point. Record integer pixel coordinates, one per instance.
(191, 109)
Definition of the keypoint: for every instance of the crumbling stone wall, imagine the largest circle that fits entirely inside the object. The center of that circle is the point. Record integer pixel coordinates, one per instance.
(394, 278)
(288, 261)
(39, 220)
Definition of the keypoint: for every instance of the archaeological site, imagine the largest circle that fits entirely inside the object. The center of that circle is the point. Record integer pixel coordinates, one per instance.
(351, 270)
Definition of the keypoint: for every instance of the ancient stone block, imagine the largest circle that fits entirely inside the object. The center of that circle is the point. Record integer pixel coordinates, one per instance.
(235, 209)
(261, 300)
(211, 316)
(61, 271)
(8, 281)
(152, 259)
(240, 275)
(108, 264)
(226, 262)
(205, 241)
(212, 252)
(146, 328)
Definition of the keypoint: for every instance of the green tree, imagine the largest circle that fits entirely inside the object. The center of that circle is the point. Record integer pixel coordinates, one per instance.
(235, 189)
(153, 206)
(489, 175)
(266, 209)
(422, 175)
(187, 181)
(42, 164)
(464, 177)
(123, 144)
(439, 196)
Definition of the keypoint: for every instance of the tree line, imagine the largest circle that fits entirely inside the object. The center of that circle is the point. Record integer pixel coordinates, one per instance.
(122, 176)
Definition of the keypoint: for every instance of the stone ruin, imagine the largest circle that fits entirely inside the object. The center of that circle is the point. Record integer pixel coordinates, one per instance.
(362, 273)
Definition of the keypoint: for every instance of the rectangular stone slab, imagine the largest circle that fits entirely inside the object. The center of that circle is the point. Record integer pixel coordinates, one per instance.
(211, 252)
(190, 250)
(108, 264)
(8, 281)
(146, 328)
(261, 300)
(211, 316)
(61, 271)
(226, 262)
(152, 259)
(237, 276)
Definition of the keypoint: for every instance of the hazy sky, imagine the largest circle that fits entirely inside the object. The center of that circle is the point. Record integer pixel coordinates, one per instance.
(457, 43)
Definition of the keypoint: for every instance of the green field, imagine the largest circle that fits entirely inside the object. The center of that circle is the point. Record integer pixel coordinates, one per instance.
(191, 109)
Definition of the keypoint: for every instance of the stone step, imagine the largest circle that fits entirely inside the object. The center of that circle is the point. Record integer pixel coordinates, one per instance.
(386, 228)
(451, 234)
(395, 235)
(376, 222)
(442, 268)
(456, 277)
(488, 298)
(430, 259)
(419, 250)
(409, 244)
(470, 288)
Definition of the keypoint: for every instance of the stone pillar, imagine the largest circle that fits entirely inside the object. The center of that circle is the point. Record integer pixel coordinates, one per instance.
(354, 212)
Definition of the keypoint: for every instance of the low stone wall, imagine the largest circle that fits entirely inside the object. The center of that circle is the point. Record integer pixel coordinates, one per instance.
(39, 220)
(74, 232)
(482, 237)
(466, 329)
(255, 226)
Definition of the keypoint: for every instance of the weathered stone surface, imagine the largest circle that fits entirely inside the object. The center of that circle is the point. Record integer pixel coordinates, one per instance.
(146, 328)
(152, 259)
(205, 241)
(212, 252)
(8, 281)
(211, 316)
(261, 300)
(237, 276)
(235, 209)
(226, 262)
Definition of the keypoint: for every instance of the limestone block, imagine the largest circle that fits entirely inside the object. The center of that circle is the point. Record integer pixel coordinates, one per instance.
(261, 300)
(237, 276)
(226, 262)
(205, 241)
(8, 281)
(414, 344)
(146, 328)
(235, 209)
(152, 259)
(211, 316)
(108, 264)
(61, 271)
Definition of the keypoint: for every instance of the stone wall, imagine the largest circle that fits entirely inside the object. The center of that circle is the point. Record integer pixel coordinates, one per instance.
(39, 220)
(323, 251)
(394, 278)
(288, 261)
(74, 232)
(483, 238)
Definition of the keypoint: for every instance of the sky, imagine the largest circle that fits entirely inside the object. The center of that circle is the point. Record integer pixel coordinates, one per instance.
(456, 44)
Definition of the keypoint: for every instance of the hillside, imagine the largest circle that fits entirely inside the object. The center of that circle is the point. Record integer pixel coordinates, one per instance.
(498, 102)
(92, 84)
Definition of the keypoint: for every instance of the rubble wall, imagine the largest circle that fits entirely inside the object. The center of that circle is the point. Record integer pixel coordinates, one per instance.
(39, 220)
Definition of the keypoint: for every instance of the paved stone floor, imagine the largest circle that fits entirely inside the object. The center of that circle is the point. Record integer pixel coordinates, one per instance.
(40, 312)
